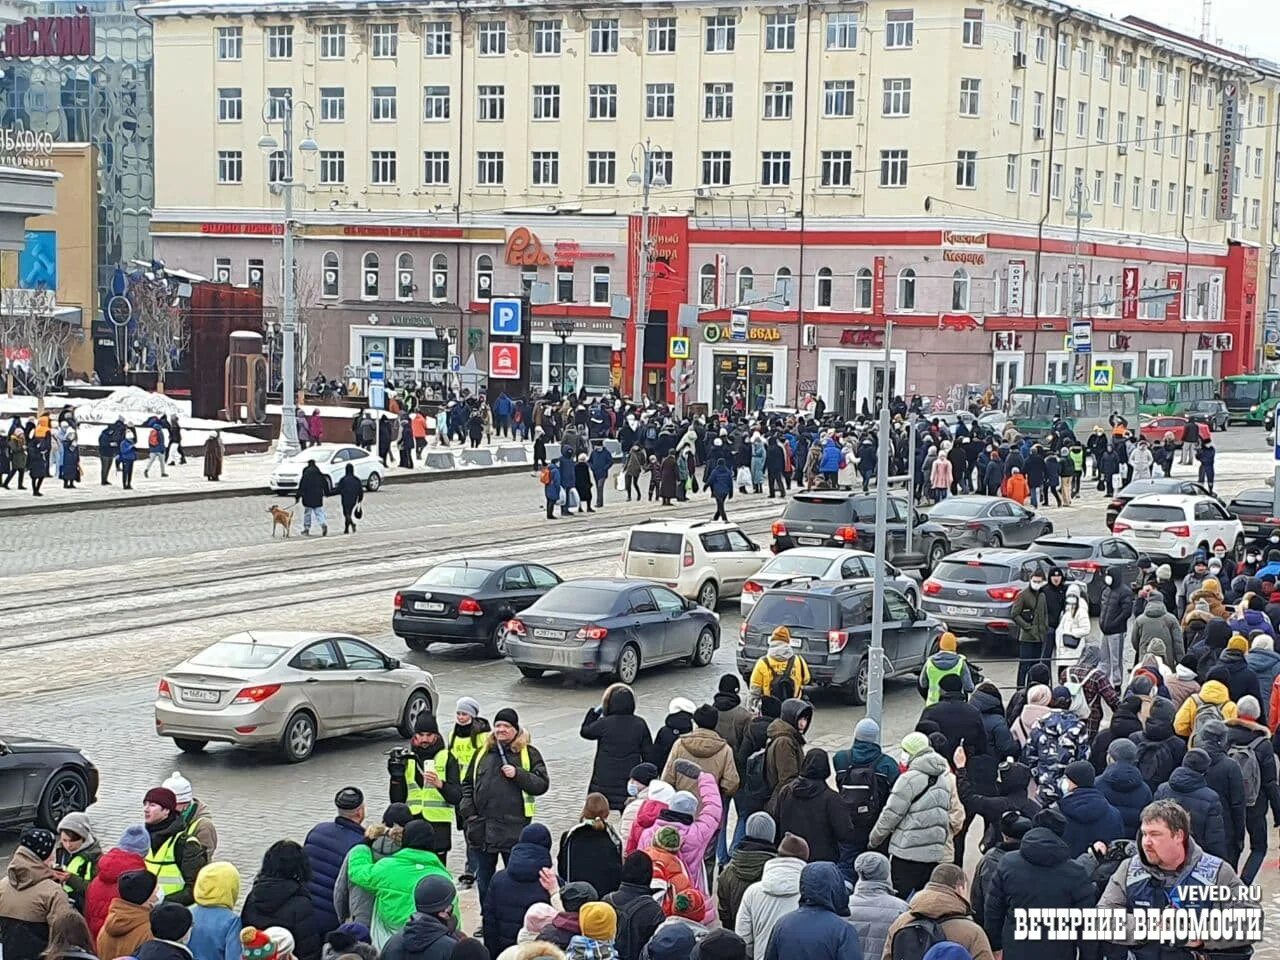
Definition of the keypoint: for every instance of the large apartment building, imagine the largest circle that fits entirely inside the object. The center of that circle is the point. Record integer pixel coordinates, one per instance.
(972, 170)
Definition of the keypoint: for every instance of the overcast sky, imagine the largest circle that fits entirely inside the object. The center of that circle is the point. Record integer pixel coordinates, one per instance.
(1238, 24)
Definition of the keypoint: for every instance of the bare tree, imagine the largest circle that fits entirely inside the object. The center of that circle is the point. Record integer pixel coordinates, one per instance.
(161, 326)
(12, 307)
(308, 340)
(46, 338)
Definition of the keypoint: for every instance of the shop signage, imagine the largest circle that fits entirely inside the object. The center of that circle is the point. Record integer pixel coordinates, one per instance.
(29, 149)
(954, 238)
(1228, 137)
(958, 321)
(524, 249)
(959, 247)
(504, 361)
(714, 333)
(971, 257)
(49, 37)
(408, 233)
(243, 229)
(412, 320)
(1173, 307)
(570, 251)
(1129, 294)
(877, 286)
(1016, 287)
(862, 338)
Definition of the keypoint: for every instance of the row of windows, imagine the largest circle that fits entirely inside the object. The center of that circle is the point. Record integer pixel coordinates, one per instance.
(719, 35)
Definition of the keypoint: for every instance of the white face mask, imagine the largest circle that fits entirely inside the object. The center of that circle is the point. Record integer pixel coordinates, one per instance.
(1108, 579)
(1037, 584)
(633, 788)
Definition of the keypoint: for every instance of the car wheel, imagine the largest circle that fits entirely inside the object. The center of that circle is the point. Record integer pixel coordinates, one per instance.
(997, 540)
(417, 704)
(704, 649)
(913, 598)
(936, 553)
(299, 738)
(533, 673)
(628, 666)
(187, 745)
(417, 643)
(857, 690)
(496, 645)
(65, 793)
(709, 595)
(374, 483)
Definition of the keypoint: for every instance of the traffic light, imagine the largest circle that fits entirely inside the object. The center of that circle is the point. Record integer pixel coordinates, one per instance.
(686, 380)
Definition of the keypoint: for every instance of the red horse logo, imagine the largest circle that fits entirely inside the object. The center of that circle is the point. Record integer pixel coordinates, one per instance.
(957, 321)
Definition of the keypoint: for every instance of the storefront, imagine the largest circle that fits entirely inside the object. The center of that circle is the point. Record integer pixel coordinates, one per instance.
(583, 361)
(752, 368)
(850, 380)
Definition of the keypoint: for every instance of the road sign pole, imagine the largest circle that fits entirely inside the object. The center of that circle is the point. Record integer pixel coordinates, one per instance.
(875, 655)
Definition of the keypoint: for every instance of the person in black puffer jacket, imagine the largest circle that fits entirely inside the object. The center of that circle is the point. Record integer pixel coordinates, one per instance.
(1124, 724)
(1122, 784)
(591, 851)
(1225, 779)
(1241, 681)
(1012, 827)
(1187, 785)
(1038, 674)
(808, 808)
(957, 719)
(279, 898)
(679, 722)
(1012, 785)
(514, 890)
(987, 701)
(639, 915)
(1160, 750)
(622, 741)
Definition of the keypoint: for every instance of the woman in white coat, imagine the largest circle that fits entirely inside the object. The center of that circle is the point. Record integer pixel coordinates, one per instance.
(1072, 633)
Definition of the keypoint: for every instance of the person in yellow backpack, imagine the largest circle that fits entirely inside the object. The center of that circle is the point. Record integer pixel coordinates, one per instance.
(942, 664)
(781, 673)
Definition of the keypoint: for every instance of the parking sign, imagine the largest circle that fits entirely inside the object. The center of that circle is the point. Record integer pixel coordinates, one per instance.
(504, 318)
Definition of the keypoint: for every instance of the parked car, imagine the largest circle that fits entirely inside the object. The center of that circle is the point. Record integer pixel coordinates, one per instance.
(821, 563)
(1212, 412)
(1153, 429)
(995, 420)
(703, 560)
(1087, 560)
(288, 689)
(1252, 507)
(972, 591)
(468, 601)
(610, 627)
(973, 520)
(332, 459)
(837, 518)
(1142, 488)
(1174, 527)
(830, 626)
(41, 781)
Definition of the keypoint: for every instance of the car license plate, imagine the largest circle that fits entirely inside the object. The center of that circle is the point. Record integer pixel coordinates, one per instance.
(429, 607)
(809, 541)
(200, 696)
(549, 634)
(1148, 533)
(961, 611)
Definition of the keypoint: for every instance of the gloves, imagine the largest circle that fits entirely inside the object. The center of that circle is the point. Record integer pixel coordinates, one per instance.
(687, 768)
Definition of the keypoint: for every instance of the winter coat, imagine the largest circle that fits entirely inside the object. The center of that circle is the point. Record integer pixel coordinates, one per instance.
(215, 933)
(30, 899)
(638, 917)
(935, 901)
(784, 754)
(1000, 742)
(102, 888)
(810, 809)
(392, 881)
(311, 487)
(1124, 723)
(873, 908)
(1156, 623)
(592, 855)
(1030, 612)
(720, 480)
(942, 474)
(1225, 779)
(127, 926)
(423, 938)
(1123, 786)
(1039, 874)
(733, 718)
(711, 753)
(923, 813)
(767, 902)
(1212, 692)
(676, 725)
(492, 806)
(514, 890)
(1250, 621)
(1193, 793)
(818, 929)
(1241, 680)
(622, 740)
(985, 871)
(668, 479)
(1056, 740)
(958, 720)
(830, 458)
(1162, 749)
(992, 801)
(1256, 737)
(1117, 608)
(745, 868)
(326, 847)
(280, 902)
(1090, 817)
(694, 836)
(1265, 665)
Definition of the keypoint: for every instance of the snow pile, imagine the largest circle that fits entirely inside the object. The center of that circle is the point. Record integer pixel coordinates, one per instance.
(132, 403)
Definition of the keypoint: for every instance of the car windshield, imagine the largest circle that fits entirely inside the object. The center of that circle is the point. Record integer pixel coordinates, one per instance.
(653, 541)
(240, 656)
(790, 565)
(958, 508)
(1065, 551)
(1244, 391)
(973, 571)
(1156, 392)
(577, 601)
(1153, 513)
(1140, 487)
(1253, 500)
(818, 509)
(453, 575)
(794, 611)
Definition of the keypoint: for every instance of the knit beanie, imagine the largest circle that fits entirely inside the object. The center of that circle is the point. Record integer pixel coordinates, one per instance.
(1051, 819)
(419, 835)
(508, 716)
(434, 894)
(644, 773)
(793, 846)
(181, 788)
(761, 826)
(1081, 773)
(729, 683)
(161, 797)
(866, 731)
(947, 642)
(282, 937)
(637, 869)
(38, 841)
(396, 815)
(135, 839)
(914, 744)
(1122, 750)
(598, 921)
(256, 945)
(683, 802)
(1248, 708)
(770, 707)
(136, 886)
(1196, 760)
(1262, 642)
(706, 717)
(1238, 642)
(468, 706)
(720, 944)
(872, 866)
(574, 896)
(170, 921)
(667, 838)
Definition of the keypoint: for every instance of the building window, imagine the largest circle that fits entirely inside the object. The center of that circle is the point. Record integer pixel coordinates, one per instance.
(1157, 136)
(435, 168)
(230, 43)
(1117, 190)
(897, 98)
(1019, 35)
(1042, 44)
(1144, 69)
(707, 285)
(230, 105)
(546, 37)
(1153, 196)
(781, 280)
(1126, 65)
(278, 101)
(717, 101)
(1179, 78)
(484, 277)
(661, 164)
(842, 31)
(333, 41)
(437, 40)
(837, 168)
(600, 285)
(1140, 133)
(385, 39)
(970, 96)
(330, 275)
(899, 29)
(1084, 53)
(780, 31)
(822, 289)
(746, 284)
(230, 166)
(1015, 104)
(546, 168)
(277, 166)
(384, 166)
(715, 168)
(1100, 130)
(1055, 181)
(837, 98)
(255, 270)
(1122, 127)
(775, 168)
(439, 278)
(435, 103)
(546, 101)
(604, 36)
(1060, 114)
(1189, 201)
(493, 102)
(602, 168)
(1204, 202)
(1011, 173)
(862, 289)
(907, 290)
(383, 109)
(960, 290)
(1037, 111)
(660, 101)
(1033, 177)
(1082, 119)
(491, 37)
(372, 277)
(1097, 186)
(893, 168)
(1171, 198)
(490, 168)
(971, 32)
(1135, 194)
(602, 101)
(404, 277)
(721, 33)
(660, 34)
(280, 43)
(1064, 51)
(333, 104)
(333, 167)
(1106, 53)
(967, 169)
(777, 100)
(1162, 79)
(564, 283)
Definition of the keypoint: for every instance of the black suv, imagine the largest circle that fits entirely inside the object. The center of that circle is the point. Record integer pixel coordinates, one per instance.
(1252, 507)
(830, 626)
(834, 518)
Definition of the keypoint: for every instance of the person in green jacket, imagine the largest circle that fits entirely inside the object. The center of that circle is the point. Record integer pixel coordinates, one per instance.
(392, 880)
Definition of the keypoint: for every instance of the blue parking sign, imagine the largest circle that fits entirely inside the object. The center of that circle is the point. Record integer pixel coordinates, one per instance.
(504, 318)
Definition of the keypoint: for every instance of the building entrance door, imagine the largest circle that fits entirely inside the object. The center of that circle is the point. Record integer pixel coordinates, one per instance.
(846, 398)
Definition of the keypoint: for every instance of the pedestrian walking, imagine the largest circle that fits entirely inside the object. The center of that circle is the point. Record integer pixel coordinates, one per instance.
(351, 493)
(312, 486)
(126, 458)
(213, 454)
(600, 461)
(582, 484)
(720, 483)
(37, 466)
(175, 441)
(155, 447)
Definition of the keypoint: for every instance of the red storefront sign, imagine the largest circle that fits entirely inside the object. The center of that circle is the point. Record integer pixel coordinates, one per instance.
(49, 37)
(877, 286)
(243, 229)
(1173, 309)
(504, 361)
(1129, 294)
(862, 338)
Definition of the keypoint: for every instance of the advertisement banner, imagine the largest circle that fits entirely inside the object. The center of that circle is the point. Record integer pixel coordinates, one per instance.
(1173, 309)
(1017, 288)
(877, 287)
(1129, 294)
(1228, 137)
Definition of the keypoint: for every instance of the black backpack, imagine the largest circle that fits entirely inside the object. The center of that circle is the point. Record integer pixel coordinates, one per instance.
(755, 790)
(913, 940)
(1150, 760)
(782, 686)
(863, 791)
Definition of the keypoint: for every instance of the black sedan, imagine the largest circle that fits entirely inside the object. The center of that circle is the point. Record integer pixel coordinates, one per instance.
(1212, 412)
(610, 627)
(978, 521)
(468, 601)
(1087, 560)
(1140, 488)
(41, 781)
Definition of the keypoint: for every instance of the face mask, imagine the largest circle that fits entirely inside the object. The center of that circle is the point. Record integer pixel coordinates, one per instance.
(633, 788)
(1072, 601)
(1037, 584)
(1064, 786)
(1108, 579)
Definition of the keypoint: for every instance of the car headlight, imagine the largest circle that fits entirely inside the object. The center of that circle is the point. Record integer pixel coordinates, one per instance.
(1254, 408)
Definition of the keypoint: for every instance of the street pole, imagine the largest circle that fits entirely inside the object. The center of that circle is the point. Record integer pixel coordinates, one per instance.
(646, 180)
(911, 475)
(875, 666)
(1077, 288)
(288, 444)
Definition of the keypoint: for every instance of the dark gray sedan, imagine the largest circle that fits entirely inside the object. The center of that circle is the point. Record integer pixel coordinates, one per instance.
(610, 627)
(978, 521)
(1088, 560)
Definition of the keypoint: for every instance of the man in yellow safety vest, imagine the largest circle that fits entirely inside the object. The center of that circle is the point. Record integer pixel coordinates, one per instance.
(426, 778)
(175, 856)
(469, 730)
(942, 664)
(194, 813)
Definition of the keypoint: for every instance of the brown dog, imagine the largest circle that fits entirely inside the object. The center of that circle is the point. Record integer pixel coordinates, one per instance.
(280, 518)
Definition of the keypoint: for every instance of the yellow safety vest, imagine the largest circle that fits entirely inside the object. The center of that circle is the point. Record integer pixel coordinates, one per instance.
(164, 864)
(424, 801)
(463, 749)
(934, 674)
(529, 805)
(81, 867)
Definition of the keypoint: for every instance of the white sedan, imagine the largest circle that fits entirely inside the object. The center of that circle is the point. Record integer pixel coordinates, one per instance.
(822, 563)
(332, 459)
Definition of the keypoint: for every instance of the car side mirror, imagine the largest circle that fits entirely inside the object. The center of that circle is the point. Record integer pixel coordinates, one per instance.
(391, 663)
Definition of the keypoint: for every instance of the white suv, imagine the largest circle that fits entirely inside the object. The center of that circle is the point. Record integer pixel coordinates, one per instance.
(1174, 527)
(699, 559)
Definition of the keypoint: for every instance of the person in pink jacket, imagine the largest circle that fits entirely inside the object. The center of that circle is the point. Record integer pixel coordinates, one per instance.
(697, 823)
(941, 475)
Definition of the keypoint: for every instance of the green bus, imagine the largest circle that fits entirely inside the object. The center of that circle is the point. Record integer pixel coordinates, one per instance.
(1032, 408)
(1169, 396)
(1249, 396)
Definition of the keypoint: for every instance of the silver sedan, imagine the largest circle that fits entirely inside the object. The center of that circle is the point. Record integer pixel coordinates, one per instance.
(822, 563)
(288, 689)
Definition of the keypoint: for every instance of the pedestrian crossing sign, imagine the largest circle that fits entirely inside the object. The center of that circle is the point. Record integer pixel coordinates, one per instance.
(1101, 377)
(678, 348)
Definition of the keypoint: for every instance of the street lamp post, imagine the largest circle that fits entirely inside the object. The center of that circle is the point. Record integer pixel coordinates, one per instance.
(1081, 215)
(563, 328)
(281, 111)
(875, 655)
(644, 177)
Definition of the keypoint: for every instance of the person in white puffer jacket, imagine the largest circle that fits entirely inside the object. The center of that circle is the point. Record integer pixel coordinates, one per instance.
(1072, 632)
(773, 896)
